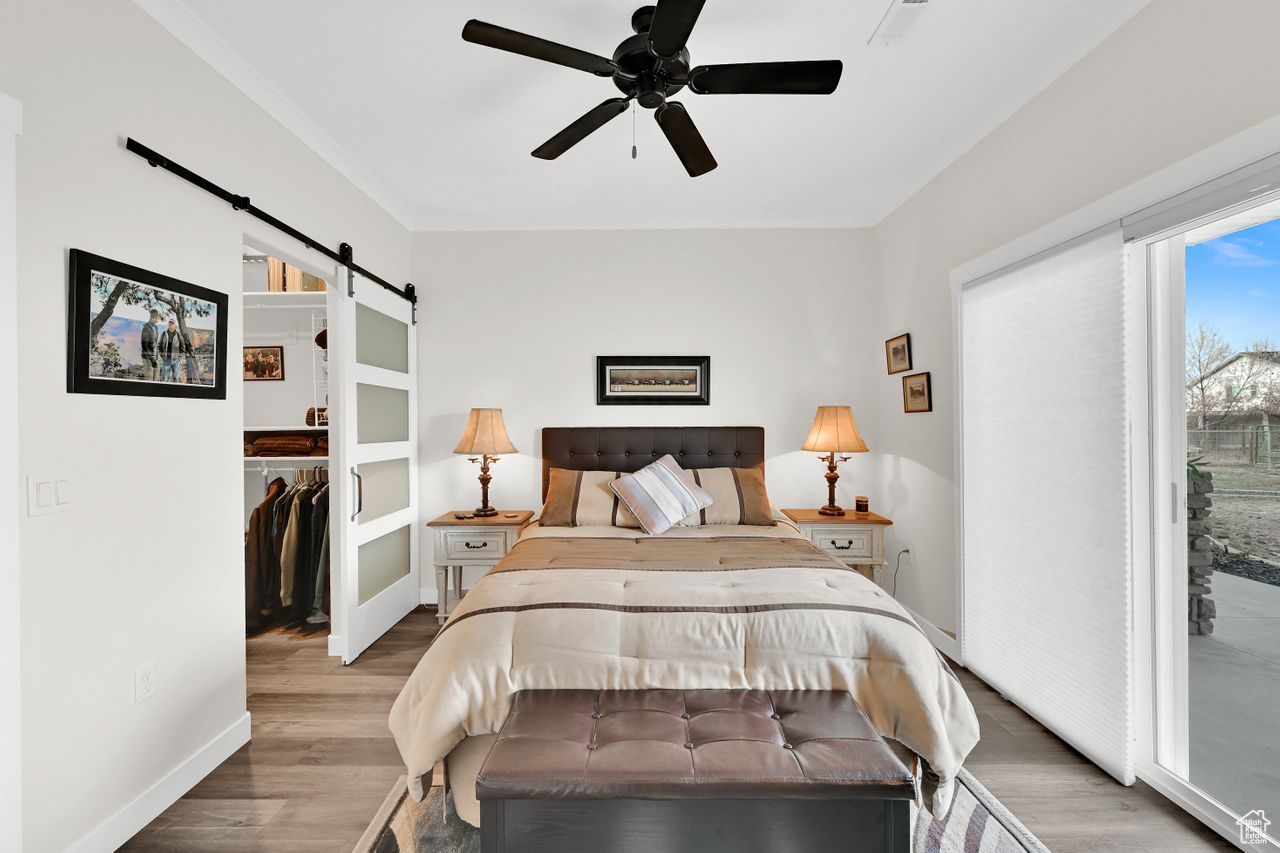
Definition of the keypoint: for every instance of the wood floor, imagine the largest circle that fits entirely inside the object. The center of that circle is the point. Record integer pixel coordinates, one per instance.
(322, 761)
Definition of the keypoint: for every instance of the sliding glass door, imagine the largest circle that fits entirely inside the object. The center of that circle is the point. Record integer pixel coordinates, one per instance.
(1214, 583)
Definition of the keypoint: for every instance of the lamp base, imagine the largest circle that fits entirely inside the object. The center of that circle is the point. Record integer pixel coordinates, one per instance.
(490, 512)
(831, 509)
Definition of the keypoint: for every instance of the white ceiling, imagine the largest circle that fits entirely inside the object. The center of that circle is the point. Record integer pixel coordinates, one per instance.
(439, 131)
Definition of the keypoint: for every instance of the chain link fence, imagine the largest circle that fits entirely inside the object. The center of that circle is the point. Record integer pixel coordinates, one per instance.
(1241, 445)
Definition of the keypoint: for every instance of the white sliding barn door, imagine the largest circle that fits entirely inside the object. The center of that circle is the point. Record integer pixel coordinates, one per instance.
(373, 443)
(1045, 493)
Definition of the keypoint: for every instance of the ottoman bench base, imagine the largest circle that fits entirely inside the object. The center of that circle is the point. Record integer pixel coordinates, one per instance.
(694, 826)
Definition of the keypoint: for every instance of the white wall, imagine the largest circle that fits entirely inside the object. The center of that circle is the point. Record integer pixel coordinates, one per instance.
(10, 489)
(1178, 78)
(515, 320)
(149, 564)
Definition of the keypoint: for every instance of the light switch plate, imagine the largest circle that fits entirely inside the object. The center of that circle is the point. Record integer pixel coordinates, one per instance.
(50, 493)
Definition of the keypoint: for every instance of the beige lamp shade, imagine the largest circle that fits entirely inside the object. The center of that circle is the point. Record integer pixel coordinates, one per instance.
(485, 435)
(834, 432)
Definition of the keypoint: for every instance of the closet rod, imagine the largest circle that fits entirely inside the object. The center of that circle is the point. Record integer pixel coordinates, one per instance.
(344, 255)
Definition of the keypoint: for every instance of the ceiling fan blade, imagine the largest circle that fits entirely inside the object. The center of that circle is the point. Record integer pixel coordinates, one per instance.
(672, 23)
(817, 77)
(491, 35)
(581, 129)
(683, 135)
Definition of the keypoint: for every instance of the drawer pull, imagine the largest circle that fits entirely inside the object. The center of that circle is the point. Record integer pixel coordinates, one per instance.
(471, 547)
(845, 547)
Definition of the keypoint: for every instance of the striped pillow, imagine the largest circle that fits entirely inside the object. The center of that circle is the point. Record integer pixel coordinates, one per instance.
(583, 499)
(659, 495)
(738, 497)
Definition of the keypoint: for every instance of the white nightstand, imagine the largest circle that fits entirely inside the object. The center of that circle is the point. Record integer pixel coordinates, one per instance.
(462, 542)
(855, 539)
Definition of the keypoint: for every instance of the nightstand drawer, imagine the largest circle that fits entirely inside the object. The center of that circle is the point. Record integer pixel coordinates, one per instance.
(488, 545)
(845, 544)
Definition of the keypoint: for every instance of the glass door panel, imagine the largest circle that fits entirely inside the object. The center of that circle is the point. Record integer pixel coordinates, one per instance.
(381, 341)
(382, 414)
(383, 561)
(386, 488)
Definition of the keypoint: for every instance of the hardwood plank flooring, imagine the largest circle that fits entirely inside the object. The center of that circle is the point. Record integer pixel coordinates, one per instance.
(322, 761)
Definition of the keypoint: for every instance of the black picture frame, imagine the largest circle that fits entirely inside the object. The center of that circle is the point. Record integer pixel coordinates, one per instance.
(275, 349)
(903, 340)
(634, 366)
(925, 403)
(200, 373)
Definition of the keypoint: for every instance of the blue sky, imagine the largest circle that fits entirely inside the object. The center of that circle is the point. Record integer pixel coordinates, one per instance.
(1233, 285)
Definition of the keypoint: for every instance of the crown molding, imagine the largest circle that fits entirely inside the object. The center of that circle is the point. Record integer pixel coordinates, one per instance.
(192, 32)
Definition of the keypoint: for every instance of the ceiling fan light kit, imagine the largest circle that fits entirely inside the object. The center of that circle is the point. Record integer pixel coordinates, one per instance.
(650, 68)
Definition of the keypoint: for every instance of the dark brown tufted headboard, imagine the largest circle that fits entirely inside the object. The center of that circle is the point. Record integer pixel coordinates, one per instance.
(632, 448)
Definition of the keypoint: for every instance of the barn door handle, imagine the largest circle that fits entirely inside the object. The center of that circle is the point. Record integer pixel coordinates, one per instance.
(845, 547)
(359, 484)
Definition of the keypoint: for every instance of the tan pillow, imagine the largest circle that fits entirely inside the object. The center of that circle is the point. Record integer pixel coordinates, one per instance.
(738, 497)
(584, 499)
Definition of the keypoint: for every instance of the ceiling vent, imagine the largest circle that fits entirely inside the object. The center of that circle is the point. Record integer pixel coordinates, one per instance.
(898, 21)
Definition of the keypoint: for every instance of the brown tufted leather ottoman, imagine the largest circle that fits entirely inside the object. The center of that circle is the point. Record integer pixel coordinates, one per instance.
(694, 771)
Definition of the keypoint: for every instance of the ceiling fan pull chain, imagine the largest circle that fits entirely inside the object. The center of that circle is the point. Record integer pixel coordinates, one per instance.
(635, 153)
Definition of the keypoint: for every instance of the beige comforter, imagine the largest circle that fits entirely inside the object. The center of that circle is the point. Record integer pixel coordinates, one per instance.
(618, 610)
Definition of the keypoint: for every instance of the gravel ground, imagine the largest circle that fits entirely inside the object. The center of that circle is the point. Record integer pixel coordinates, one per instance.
(1247, 567)
(1250, 524)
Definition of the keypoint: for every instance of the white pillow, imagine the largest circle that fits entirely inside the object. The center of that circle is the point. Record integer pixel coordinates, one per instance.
(661, 494)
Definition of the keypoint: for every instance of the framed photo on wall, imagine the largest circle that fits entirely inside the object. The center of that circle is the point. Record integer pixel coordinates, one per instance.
(264, 364)
(646, 380)
(136, 332)
(917, 393)
(897, 354)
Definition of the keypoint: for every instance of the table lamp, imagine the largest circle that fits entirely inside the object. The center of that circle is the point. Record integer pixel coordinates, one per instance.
(834, 432)
(484, 439)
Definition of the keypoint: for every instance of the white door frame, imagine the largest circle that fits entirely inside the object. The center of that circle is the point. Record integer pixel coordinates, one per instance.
(10, 502)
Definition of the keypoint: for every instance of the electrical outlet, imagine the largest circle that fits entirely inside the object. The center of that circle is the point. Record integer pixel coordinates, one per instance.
(144, 682)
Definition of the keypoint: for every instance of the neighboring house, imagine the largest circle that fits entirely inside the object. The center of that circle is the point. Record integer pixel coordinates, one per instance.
(1243, 391)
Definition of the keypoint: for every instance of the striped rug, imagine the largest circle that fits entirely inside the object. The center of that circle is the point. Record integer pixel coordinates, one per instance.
(977, 823)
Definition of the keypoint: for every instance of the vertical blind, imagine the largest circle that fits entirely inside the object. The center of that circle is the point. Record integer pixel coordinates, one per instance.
(1045, 493)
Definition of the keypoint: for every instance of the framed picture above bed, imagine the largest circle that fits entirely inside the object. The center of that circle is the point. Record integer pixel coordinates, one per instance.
(136, 332)
(653, 380)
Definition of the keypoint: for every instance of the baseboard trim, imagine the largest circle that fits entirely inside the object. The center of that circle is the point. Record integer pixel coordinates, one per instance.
(124, 824)
(941, 640)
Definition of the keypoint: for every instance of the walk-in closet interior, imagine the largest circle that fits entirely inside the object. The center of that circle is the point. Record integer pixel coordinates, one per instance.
(286, 447)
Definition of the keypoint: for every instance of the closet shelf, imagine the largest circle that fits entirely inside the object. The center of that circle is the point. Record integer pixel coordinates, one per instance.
(290, 461)
(285, 299)
(303, 428)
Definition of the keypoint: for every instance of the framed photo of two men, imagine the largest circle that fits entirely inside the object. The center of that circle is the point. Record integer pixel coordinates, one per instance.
(136, 332)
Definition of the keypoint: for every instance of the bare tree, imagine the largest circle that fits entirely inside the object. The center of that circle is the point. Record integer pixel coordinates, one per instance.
(1214, 395)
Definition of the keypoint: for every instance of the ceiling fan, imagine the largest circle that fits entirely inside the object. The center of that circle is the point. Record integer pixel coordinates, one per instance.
(652, 66)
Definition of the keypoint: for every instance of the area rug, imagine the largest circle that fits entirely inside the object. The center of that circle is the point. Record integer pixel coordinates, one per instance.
(977, 823)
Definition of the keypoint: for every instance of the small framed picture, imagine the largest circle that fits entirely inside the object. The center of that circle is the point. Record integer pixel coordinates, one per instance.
(263, 364)
(136, 332)
(917, 394)
(897, 354)
(648, 380)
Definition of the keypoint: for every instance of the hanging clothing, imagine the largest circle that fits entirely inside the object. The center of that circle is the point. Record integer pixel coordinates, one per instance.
(261, 562)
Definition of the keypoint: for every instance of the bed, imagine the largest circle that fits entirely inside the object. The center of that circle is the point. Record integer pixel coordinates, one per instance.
(724, 606)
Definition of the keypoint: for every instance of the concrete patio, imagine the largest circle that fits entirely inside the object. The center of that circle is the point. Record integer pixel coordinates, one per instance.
(1234, 684)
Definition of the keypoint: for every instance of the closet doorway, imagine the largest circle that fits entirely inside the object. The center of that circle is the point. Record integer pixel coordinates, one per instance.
(330, 421)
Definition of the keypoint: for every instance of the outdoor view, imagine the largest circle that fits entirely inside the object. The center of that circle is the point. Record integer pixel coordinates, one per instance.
(1233, 443)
